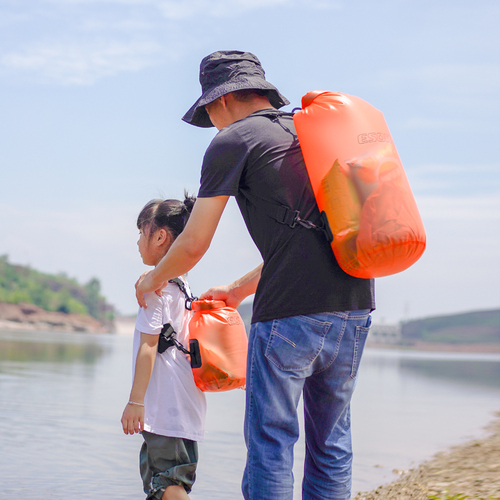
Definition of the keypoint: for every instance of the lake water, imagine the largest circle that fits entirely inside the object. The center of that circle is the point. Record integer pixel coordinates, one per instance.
(62, 395)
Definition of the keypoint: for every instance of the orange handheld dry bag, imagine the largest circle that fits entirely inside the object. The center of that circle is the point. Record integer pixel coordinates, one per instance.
(359, 182)
(223, 344)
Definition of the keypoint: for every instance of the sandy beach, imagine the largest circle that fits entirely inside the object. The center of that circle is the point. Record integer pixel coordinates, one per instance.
(468, 471)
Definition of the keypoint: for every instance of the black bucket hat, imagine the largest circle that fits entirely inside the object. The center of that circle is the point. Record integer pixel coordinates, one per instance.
(226, 71)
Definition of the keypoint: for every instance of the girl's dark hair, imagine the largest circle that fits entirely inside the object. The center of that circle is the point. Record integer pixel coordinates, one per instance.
(166, 214)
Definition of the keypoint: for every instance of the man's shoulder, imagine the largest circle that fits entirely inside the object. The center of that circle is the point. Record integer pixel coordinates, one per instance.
(259, 123)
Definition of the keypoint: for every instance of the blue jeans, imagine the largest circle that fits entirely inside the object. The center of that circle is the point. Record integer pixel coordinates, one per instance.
(317, 355)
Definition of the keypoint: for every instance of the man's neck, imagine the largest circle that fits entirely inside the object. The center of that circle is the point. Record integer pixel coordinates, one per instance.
(242, 109)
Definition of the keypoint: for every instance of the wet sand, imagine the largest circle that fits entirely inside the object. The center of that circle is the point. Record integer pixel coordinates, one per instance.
(471, 469)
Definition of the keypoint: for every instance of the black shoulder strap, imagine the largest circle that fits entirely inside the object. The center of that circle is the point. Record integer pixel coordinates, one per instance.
(281, 213)
(271, 113)
(182, 286)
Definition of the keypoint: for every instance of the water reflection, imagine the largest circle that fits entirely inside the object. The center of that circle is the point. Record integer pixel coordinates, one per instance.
(34, 350)
(61, 398)
(469, 372)
(463, 368)
(409, 405)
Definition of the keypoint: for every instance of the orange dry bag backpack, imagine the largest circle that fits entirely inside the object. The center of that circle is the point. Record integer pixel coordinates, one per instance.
(218, 343)
(359, 183)
(220, 334)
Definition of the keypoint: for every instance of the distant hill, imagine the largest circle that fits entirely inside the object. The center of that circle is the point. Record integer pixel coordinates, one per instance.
(478, 327)
(53, 293)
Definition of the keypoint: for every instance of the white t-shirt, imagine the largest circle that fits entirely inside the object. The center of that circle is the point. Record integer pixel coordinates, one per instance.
(173, 405)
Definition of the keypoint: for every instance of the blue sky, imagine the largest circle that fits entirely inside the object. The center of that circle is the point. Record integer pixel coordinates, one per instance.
(91, 98)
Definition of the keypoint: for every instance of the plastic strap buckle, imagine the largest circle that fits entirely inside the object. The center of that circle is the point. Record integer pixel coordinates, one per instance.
(287, 216)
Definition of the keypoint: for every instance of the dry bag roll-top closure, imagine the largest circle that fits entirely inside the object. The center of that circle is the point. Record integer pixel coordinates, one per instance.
(222, 341)
(359, 182)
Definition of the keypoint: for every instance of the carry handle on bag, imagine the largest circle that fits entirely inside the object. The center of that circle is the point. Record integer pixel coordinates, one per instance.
(223, 344)
(360, 184)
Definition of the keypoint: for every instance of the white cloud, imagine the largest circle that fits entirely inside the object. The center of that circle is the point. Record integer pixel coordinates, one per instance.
(102, 2)
(463, 208)
(426, 123)
(459, 170)
(454, 181)
(473, 82)
(82, 41)
(130, 26)
(83, 63)
(183, 9)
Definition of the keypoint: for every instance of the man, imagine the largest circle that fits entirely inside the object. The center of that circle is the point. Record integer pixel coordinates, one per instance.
(310, 319)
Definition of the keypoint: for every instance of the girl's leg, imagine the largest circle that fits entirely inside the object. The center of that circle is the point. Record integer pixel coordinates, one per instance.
(168, 466)
(175, 492)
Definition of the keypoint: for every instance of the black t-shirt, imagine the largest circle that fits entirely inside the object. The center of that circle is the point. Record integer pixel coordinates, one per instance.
(258, 160)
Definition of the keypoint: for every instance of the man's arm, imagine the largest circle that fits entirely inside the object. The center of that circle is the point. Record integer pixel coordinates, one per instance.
(234, 293)
(187, 249)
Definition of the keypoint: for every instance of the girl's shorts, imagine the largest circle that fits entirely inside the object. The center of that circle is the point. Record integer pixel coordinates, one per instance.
(167, 461)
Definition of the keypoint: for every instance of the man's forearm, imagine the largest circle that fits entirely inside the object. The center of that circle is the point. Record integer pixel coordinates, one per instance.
(237, 291)
(190, 246)
(179, 260)
(247, 285)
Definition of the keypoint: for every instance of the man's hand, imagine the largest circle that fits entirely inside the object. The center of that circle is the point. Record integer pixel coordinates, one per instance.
(224, 293)
(237, 291)
(145, 284)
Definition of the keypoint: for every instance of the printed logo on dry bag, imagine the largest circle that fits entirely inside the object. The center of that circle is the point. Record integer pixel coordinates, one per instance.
(374, 137)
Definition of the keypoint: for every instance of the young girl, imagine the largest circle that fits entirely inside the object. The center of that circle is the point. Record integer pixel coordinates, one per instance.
(165, 404)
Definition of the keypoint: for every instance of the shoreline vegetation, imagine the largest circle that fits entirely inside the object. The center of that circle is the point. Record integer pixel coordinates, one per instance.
(32, 300)
(467, 471)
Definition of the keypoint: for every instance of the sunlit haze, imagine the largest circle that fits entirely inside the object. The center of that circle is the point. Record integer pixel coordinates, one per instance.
(91, 98)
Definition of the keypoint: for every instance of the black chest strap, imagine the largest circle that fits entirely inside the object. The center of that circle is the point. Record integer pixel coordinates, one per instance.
(291, 218)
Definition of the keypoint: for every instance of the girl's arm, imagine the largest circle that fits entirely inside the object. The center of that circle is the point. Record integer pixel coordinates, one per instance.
(133, 415)
(238, 290)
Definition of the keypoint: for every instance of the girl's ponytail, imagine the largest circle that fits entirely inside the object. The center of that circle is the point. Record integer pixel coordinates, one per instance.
(166, 214)
(189, 201)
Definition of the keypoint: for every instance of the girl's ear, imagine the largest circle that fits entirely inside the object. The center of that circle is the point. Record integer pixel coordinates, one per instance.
(161, 237)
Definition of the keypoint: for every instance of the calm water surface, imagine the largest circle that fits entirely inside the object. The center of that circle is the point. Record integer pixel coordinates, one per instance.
(62, 395)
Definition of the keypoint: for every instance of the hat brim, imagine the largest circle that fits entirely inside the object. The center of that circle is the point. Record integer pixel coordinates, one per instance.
(198, 116)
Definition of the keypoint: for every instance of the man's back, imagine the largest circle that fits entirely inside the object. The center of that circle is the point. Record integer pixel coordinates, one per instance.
(258, 160)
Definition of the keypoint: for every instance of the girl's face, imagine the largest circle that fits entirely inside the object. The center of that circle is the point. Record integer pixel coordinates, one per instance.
(152, 247)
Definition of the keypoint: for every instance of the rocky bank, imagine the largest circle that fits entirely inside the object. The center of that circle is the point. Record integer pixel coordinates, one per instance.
(469, 471)
(30, 317)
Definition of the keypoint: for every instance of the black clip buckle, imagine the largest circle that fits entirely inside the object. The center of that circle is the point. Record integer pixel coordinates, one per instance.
(167, 339)
(296, 219)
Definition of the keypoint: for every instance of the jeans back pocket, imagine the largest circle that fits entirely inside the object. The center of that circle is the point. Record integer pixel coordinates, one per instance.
(295, 342)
